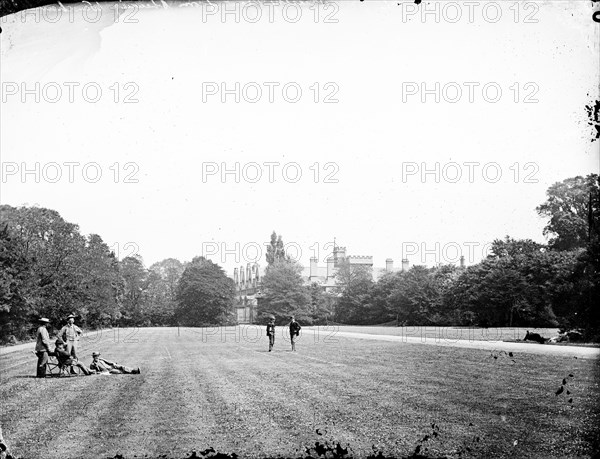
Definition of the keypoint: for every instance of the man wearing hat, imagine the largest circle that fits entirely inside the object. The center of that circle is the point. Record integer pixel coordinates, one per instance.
(42, 347)
(271, 333)
(103, 365)
(70, 335)
(294, 331)
(64, 357)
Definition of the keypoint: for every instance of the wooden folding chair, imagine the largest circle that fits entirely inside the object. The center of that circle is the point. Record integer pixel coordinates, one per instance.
(54, 368)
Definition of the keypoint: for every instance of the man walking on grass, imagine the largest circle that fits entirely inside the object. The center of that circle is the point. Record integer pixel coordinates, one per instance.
(294, 331)
(271, 333)
(42, 347)
(70, 334)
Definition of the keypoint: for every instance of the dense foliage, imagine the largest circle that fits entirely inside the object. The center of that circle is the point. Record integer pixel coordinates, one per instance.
(47, 268)
(521, 283)
(276, 250)
(283, 293)
(205, 295)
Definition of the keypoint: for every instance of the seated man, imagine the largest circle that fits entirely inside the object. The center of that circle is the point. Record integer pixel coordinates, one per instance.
(102, 365)
(64, 357)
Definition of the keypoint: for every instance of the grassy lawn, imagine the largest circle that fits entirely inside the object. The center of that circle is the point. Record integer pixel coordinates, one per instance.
(220, 388)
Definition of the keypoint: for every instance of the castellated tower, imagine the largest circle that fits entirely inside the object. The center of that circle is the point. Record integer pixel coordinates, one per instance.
(366, 260)
(339, 254)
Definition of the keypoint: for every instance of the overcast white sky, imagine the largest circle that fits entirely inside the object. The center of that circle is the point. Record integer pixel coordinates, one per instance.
(371, 57)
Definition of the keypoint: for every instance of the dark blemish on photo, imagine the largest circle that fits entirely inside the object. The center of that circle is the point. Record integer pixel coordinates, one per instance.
(593, 112)
(595, 14)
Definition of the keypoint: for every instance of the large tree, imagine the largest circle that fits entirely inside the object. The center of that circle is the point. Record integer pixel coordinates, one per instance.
(205, 295)
(135, 278)
(573, 209)
(512, 247)
(417, 293)
(284, 293)
(15, 304)
(163, 278)
(54, 250)
(354, 285)
(382, 308)
(101, 305)
(275, 250)
(50, 269)
(354, 304)
(322, 304)
(170, 271)
(529, 289)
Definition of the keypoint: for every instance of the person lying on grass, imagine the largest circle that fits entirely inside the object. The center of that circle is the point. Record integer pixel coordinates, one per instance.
(103, 366)
(64, 357)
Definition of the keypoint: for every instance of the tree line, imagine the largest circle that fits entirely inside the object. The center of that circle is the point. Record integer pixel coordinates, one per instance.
(521, 283)
(49, 269)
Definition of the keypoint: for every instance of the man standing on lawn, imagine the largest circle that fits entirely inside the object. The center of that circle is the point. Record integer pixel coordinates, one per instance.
(70, 334)
(271, 333)
(294, 331)
(103, 365)
(42, 347)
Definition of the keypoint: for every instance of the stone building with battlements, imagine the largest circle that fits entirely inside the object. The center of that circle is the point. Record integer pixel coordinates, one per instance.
(326, 275)
(247, 279)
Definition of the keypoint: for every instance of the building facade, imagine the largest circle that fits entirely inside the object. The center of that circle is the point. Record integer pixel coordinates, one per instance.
(247, 284)
(247, 279)
(326, 275)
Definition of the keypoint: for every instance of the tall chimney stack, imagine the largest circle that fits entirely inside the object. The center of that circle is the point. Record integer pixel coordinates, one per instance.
(389, 265)
(339, 253)
(405, 264)
(313, 267)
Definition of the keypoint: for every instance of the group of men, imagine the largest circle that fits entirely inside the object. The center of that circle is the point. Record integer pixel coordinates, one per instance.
(65, 351)
(294, 332)
(65, 348)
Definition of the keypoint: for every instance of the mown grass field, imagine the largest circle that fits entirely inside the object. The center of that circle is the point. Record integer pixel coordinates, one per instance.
(220, 388)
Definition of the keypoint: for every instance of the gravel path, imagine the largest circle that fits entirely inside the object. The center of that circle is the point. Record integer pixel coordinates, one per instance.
(532, 348)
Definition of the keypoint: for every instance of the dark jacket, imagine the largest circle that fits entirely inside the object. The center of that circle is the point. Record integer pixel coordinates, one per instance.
(63, 357)
(102, 365)
(270, 329)
(43, 340)
(295, 328)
